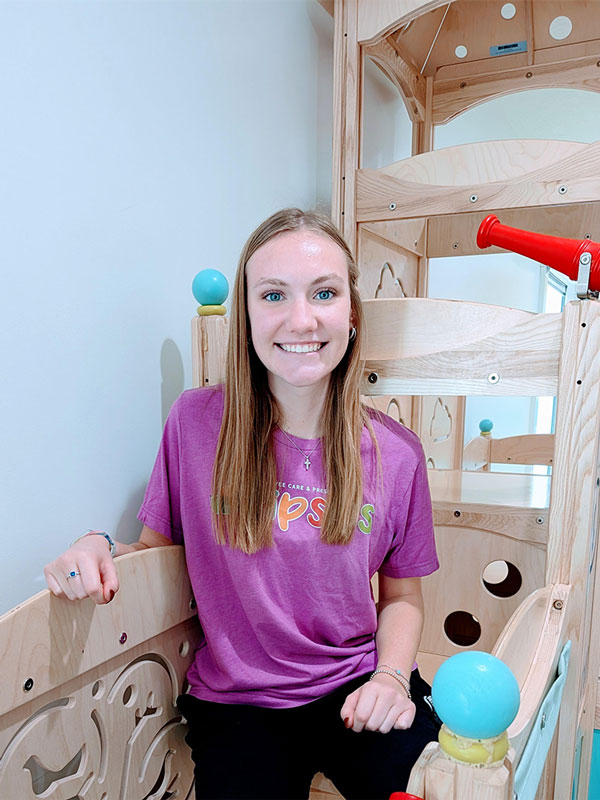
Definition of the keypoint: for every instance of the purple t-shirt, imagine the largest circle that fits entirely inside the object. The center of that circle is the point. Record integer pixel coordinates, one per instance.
(290, 623)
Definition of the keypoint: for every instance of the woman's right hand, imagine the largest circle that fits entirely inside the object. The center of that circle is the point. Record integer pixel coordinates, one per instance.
(95, 577)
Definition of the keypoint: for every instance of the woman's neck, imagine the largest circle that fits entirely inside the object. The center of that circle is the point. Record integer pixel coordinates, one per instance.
(301, 409)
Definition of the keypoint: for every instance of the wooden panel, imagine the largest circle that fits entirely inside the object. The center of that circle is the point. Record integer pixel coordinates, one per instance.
(386, 270)
(398, 408)
(455, 235)
(88, 697)
(494, 350)
(482, 162)
(408, 234)
(464, 553)
(381, 196)
(572, 541)
(441, 431)
(67, 639)
(491, 492)
(347, 96)
(455, 95)
(534, 448)
(531, 645)
(409, 83)
(376, 20)
(209, 350)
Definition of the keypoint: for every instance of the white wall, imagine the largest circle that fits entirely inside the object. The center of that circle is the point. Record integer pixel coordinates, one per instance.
(140, 143)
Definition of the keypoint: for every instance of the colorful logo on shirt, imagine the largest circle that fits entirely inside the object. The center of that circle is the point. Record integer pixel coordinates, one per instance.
(290, 507)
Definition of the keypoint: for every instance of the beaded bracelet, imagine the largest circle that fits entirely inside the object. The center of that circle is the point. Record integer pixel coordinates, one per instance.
(399, 678)
(111, 542)
(397, 671)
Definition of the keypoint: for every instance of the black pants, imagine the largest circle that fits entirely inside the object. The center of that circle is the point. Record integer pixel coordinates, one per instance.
(242, 752)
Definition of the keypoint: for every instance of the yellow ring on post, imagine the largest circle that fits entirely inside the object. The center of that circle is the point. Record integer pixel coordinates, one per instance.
(484, 752)
(208, 311)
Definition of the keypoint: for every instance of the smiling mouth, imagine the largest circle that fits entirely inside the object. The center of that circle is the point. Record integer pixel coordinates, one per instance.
(311, 347)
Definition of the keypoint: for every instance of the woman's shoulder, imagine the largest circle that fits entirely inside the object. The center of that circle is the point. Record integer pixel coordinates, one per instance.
(391, 434)
(199, 404)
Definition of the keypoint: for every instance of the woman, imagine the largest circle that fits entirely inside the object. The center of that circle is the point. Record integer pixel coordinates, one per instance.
(288, 496)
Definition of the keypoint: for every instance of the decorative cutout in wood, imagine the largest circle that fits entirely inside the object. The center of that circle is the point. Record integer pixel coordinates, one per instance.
(440, 426)
(389, 284)
(110, 739)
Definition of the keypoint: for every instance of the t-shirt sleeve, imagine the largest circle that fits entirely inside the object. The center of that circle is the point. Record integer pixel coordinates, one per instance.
(412, 553)
(161, 509)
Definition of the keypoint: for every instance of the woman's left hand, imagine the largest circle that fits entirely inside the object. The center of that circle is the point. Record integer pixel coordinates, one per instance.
(378, 705)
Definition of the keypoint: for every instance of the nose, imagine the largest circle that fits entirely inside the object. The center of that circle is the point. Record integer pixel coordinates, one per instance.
(301, 316)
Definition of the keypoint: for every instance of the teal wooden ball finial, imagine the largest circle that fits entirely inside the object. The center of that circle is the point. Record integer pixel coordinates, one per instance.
(210, 288)
(486, 425)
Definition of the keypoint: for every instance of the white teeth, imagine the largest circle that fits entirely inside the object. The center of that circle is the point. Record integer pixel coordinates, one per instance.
(301, 348)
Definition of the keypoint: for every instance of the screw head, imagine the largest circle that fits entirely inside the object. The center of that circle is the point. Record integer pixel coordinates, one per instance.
(557, 604)
(28, 685)
(529, 74)
(123, 638)
(562, 189)
(493, 378)
(455, 245)
(373, 377)
(540, 520)
(392, 206)
(473, 198)
(457, 513)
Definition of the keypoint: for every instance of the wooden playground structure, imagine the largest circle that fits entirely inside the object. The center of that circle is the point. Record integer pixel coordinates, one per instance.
(87, 705)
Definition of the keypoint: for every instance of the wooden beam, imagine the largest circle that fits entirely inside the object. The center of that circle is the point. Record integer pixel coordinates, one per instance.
(405, 78)
(455, 95)
(574, 178)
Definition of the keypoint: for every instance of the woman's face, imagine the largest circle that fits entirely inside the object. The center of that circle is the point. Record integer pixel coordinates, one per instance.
(299, 308)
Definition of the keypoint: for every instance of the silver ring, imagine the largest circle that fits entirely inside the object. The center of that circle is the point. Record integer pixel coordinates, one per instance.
(72, 574)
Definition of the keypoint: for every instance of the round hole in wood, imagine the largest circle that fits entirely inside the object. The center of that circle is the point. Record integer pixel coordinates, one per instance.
(98, 689)
(462, 628)
(508, 11)
(460, 51)
(502, 579)
(129, 695)
(560, 28)
(184, 649)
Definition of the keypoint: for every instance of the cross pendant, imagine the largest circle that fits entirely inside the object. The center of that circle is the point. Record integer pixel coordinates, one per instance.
(307, 463)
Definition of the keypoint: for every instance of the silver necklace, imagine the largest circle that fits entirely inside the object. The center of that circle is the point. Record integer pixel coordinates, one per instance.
(307, 461)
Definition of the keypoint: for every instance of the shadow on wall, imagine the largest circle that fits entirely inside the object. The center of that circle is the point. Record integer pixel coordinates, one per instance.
(172, 385)
(172, 372)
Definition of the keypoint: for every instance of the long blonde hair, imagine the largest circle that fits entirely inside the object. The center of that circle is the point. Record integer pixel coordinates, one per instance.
(245, 472)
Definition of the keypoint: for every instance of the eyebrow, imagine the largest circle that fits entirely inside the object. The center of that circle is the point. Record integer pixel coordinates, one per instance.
(330, 278)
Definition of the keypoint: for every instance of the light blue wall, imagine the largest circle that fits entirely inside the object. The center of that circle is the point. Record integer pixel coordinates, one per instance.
(140, 143)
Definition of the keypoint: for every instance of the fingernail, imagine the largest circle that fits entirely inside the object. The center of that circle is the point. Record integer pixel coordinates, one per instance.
(347, 722)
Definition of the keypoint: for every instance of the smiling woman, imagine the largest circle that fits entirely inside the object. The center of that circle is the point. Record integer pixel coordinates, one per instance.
(300, 321)
(288, 496)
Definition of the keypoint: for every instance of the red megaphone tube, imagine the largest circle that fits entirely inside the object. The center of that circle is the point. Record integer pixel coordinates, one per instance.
(555, 252)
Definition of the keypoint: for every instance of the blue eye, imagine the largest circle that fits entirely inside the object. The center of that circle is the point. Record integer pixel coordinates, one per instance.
(325, 294)
(273, 297)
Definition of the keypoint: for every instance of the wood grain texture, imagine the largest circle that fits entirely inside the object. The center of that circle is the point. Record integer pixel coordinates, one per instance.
(458, 586)
(530, 645)
(378, 19)
(456, 234)
(492, 350)
(377, 190)
(455, 95)
(386, 269)
(209, 349)
(405, 78)
(100, 718)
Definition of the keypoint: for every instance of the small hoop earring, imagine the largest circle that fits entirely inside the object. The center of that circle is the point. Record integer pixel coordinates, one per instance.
(352, 334)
